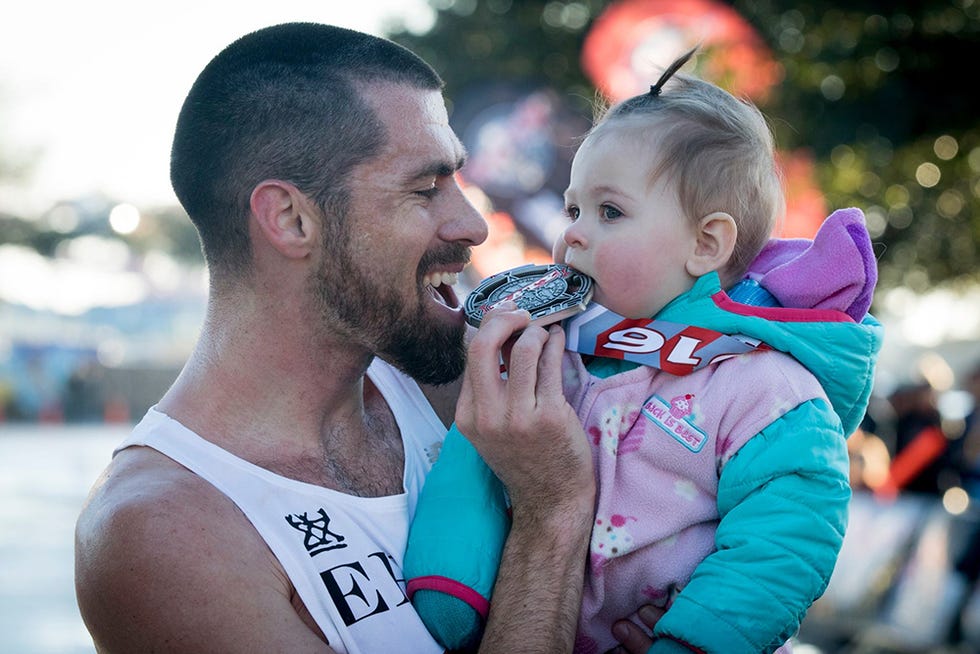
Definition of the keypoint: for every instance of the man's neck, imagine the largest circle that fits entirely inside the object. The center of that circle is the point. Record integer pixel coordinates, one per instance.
(282, 399)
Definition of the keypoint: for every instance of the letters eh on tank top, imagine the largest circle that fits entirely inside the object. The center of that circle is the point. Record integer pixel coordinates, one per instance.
(342, 553)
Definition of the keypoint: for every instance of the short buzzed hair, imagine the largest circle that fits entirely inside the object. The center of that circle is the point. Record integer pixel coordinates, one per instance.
(283, 102)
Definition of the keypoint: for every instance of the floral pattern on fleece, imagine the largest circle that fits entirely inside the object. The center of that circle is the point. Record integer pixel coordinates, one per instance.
(610, 538)
(612, 434)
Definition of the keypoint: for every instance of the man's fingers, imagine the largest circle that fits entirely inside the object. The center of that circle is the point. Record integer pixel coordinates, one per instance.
(549, 366)
(482, 387)
(522, 369)
(483, 359)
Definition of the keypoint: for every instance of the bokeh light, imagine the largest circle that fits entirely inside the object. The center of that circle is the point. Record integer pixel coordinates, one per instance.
(956, 500)
(928, 174)
(124, 218)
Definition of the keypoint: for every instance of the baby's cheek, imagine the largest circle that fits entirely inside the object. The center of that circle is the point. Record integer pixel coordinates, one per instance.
(619, 266)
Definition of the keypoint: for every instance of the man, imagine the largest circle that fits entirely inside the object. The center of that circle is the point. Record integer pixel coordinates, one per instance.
(263, 504)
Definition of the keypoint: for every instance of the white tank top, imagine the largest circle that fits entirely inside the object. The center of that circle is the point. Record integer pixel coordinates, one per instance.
(342, 553)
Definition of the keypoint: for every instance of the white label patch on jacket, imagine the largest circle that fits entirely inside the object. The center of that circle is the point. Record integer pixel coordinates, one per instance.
(672, 417)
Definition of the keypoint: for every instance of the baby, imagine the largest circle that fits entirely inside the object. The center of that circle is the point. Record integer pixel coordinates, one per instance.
(718, 418)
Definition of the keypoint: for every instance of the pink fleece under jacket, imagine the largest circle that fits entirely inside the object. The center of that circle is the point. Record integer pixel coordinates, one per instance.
(659, 443)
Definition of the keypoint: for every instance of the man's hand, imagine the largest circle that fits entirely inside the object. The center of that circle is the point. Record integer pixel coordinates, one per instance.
(530, 436)
(522, 425)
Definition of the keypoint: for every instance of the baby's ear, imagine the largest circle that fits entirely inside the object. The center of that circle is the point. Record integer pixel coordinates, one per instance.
(285, 217)
(716, 234)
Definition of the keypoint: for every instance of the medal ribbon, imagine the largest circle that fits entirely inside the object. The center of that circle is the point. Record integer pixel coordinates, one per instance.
(672, 347)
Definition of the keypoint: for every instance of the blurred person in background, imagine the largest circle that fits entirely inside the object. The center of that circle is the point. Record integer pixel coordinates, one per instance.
(920, 448)
(263, 504)
(869, 457)
(966, 457)
(968, 444)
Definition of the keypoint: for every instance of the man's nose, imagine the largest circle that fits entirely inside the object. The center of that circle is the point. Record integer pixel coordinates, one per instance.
(463, 222)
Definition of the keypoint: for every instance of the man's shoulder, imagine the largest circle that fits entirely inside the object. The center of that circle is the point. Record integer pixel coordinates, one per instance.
(154, 543)
(143, 494)
(139, 482)
(154, 534)
(144, 508)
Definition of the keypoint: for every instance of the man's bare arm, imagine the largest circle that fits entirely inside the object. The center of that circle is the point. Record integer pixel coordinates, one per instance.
(166, 563)
(538, 591)
(532, 439)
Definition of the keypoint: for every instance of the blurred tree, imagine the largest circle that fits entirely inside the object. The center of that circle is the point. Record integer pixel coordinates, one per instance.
(165, 229)
(17, 231)
(15, 166)
(15, 163)
(878, 91)
(168, 229)
(161, 228)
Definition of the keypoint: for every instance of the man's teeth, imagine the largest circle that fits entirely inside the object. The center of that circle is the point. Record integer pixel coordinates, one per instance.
(437, 279)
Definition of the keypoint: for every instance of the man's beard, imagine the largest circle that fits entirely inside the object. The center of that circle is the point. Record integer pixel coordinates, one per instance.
(375, 315)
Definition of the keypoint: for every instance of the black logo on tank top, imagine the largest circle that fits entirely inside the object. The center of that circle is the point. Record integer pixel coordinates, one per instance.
(365, 588)
(317, 537)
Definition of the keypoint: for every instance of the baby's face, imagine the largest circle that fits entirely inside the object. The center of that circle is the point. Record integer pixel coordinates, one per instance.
(629, 235)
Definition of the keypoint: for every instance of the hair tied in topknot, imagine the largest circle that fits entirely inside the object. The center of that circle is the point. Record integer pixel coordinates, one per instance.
(671, 69)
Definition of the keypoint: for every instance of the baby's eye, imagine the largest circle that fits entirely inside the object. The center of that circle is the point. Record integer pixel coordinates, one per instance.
(608, 212)
(572, 212)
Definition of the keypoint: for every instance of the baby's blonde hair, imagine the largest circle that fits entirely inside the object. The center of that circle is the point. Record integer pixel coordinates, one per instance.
(719, 151)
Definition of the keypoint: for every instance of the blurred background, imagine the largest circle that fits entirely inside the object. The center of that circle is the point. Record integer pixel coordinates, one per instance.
(102, 283)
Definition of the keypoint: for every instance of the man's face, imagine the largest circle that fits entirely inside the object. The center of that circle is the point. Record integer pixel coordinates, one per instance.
(389, 263)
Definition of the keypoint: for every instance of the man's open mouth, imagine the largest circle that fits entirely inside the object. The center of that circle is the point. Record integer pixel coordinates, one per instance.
(440, 286)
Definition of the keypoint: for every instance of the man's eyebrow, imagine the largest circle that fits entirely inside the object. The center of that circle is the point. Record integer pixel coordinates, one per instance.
(443, 168)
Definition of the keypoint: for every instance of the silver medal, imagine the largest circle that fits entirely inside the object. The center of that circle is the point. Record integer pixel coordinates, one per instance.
(548, 292)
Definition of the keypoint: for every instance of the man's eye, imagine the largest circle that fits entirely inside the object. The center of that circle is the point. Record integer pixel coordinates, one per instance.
(428, 193)
(609, 213)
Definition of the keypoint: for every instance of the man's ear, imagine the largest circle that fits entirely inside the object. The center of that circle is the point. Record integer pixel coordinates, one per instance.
(716, 234)
(285, 217)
